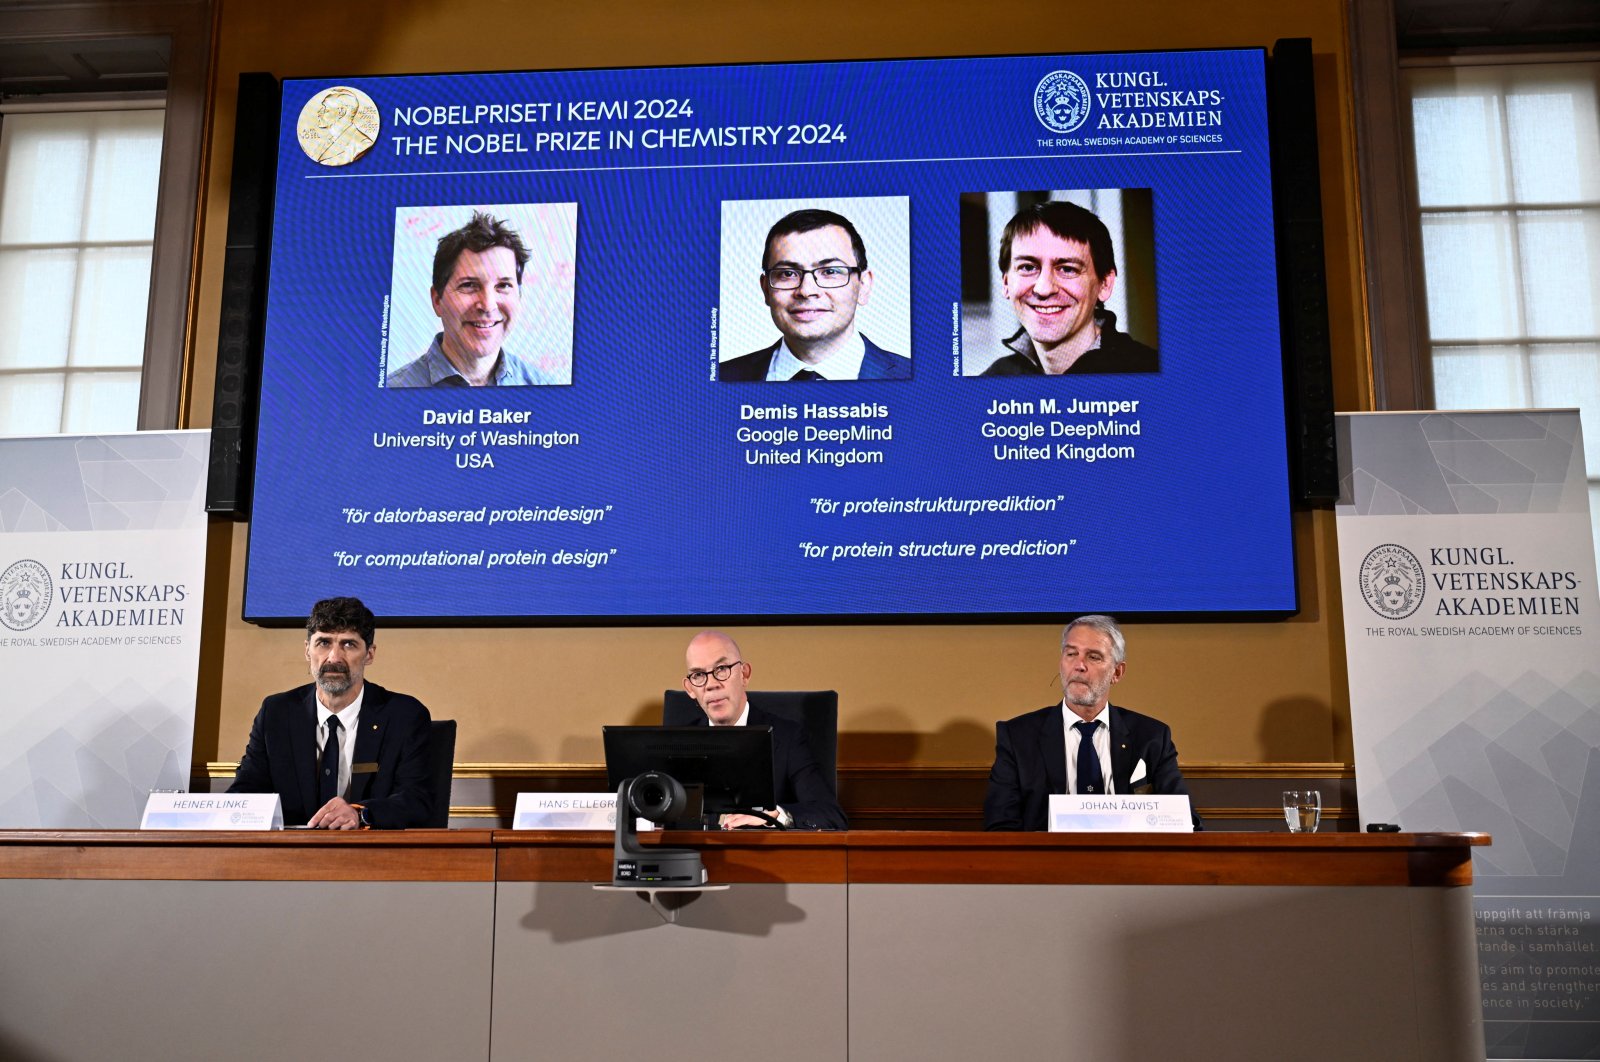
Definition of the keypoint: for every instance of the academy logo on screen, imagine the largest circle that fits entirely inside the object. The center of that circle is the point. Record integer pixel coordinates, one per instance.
(338, 125)
(25, 594)
(1061, 101)
(1392, 583)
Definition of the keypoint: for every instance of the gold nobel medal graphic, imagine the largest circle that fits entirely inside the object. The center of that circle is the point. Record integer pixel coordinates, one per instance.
(338, 126)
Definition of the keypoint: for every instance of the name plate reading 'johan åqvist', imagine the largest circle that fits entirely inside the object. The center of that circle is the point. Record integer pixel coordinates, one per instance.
(1073, 813)
(220, 811)
(565, 811)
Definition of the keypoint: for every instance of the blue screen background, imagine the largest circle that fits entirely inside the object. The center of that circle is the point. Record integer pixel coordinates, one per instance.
(1196, 521)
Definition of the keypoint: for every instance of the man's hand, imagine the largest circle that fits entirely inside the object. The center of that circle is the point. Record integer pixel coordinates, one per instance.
(336, 814)
(734, 822)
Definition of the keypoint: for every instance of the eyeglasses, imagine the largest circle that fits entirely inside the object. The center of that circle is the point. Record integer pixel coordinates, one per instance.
(784, 278)
(1062, 270)
(720, 673)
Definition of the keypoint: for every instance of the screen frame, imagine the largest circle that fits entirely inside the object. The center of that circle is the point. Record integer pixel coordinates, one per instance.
(1292, 501)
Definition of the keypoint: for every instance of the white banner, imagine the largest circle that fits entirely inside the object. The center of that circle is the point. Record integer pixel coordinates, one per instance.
(102, 572)
(1472, 630)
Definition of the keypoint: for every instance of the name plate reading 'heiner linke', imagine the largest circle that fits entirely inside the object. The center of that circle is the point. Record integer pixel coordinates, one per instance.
(1073, 813)
(220, 811)
(565, 811)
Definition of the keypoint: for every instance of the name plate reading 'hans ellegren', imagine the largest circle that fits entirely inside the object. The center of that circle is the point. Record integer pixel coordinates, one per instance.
(1140, 813)
(220, 811)
(565, 811)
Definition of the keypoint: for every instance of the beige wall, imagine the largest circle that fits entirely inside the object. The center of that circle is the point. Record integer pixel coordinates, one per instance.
(923, 694)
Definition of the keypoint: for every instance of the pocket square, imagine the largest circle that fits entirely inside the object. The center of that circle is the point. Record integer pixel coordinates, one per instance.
(1139, 771)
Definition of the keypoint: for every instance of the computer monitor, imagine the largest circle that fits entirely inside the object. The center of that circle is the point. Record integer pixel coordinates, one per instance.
(733, 764)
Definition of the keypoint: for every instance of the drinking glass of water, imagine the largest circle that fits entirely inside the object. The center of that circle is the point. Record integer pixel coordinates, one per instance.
(1302, 810)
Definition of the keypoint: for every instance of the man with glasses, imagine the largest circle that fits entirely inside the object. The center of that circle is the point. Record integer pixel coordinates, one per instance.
(1057, 267)
(343, 753)
(716, 678)
(814, 277)
(1084, 744)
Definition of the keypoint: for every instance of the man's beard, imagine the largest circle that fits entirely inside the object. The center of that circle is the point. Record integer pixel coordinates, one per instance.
(334, 680)
(1086, 694)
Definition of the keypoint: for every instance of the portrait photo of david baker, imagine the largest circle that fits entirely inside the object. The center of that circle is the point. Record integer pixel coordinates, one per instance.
(1052, 309)
(499, 299)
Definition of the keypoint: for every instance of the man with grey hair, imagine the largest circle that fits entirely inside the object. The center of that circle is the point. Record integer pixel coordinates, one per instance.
(1085, 744)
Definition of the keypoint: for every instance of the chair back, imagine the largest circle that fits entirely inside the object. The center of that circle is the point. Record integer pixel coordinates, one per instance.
(817, 712)
(441, 769)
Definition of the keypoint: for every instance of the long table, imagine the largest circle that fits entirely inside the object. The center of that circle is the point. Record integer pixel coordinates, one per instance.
(491, 944)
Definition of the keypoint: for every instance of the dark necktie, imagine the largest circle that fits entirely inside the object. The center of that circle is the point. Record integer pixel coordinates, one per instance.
(330, 761)
(806, 374)
(1089, 777)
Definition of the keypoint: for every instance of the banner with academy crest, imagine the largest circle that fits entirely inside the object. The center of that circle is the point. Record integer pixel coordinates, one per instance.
(102, 572)
(1472, 628)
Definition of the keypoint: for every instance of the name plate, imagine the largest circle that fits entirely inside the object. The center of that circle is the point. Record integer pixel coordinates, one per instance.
(565, 811)
(1075, 813)
(212, 811)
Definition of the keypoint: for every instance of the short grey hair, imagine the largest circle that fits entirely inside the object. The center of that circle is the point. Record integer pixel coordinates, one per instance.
(1106, 626)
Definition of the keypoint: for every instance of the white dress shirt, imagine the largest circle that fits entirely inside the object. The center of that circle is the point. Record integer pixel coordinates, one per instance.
(1102, 744)
(349, 718)
(840, 365)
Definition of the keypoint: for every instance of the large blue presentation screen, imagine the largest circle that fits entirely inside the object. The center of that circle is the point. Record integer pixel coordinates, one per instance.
(914, 338)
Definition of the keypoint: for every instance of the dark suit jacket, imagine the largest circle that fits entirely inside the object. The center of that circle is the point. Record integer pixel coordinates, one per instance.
(797, 781)
(1030, 763)
(281, 757)
(878, 364)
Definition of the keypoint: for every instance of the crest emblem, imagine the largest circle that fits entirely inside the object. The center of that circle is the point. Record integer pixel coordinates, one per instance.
(1392, 583)
(1061, 101)
(25, 594)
